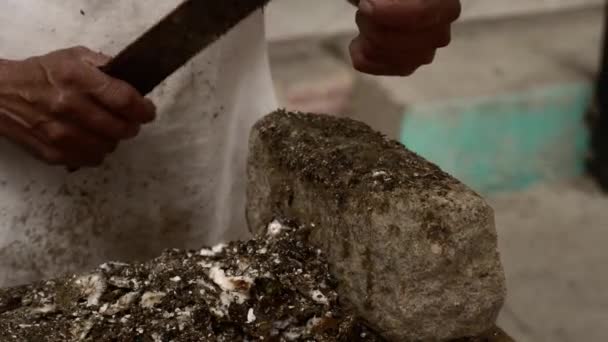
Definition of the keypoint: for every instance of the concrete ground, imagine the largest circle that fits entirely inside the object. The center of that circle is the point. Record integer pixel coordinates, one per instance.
(289, 19)
(553, 243)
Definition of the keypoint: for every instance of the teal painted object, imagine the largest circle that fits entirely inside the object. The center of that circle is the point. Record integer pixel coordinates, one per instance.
(506, 142)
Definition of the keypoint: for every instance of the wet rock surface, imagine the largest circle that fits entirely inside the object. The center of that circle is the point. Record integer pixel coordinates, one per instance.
(414, 251)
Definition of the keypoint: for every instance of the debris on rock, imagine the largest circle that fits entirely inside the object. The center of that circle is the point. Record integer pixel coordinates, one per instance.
(238, 292)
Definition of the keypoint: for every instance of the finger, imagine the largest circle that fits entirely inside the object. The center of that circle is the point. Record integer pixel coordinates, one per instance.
(362, 63)
(73, 140)
(401, 40)
(94, 58)
(122, 99)
(22, 137)
(388, 63)
(388, 54)
(92, 117)
(411, 14)
(118, 97)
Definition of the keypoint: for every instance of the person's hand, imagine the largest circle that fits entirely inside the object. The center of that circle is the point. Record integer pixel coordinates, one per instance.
(64, 110)
(399, 36)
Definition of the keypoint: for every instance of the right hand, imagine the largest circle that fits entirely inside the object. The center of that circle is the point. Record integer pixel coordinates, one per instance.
(66, 111)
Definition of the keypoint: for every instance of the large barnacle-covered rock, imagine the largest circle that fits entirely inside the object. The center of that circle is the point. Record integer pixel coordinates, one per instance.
(413, 249)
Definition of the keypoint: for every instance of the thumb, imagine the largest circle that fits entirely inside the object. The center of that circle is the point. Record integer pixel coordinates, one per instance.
(94, 58)
(410, 14)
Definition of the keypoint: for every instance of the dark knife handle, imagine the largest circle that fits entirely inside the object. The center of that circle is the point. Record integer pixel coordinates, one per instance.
(127, 66)
(123, 71)
(182, 34)
(165, 47)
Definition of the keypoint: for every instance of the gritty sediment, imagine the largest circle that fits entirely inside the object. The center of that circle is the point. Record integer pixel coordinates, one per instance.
(274, 288)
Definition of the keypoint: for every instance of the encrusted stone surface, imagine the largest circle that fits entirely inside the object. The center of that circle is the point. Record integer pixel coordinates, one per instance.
(275, 288)
(413, 249)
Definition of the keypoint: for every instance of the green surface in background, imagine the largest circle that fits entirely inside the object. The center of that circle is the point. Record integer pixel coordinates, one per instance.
(506, 142)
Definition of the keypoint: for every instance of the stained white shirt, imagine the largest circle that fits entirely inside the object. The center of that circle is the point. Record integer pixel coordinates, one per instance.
(180, 184)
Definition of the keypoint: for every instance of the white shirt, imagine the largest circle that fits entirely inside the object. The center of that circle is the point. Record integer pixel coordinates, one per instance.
(180, 184)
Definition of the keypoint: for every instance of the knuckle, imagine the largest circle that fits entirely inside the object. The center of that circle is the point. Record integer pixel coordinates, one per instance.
(428, 58)
(57, 133)
(407, 71)
(423, 7)
(67, 74)
(429, 12)
(62, 103)
(357, 58)
(124, 96)
(457, 10)
(359, 63)
(150, 108)
(359, 19)
(79, 50)
(444, 39)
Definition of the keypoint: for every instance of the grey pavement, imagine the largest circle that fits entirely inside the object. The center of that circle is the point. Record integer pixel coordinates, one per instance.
(553, 241)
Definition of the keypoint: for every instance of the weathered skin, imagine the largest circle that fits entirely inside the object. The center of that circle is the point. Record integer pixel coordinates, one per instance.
(414, 250)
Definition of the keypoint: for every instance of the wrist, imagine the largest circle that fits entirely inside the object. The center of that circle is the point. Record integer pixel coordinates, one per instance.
(8, 72)
(4, 63)
(5, 66)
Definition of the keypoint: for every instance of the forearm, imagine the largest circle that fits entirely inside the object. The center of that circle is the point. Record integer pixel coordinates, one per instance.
(7, 74)
(3, 71)
(6, 81)
(12, 79)
(4, 65)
